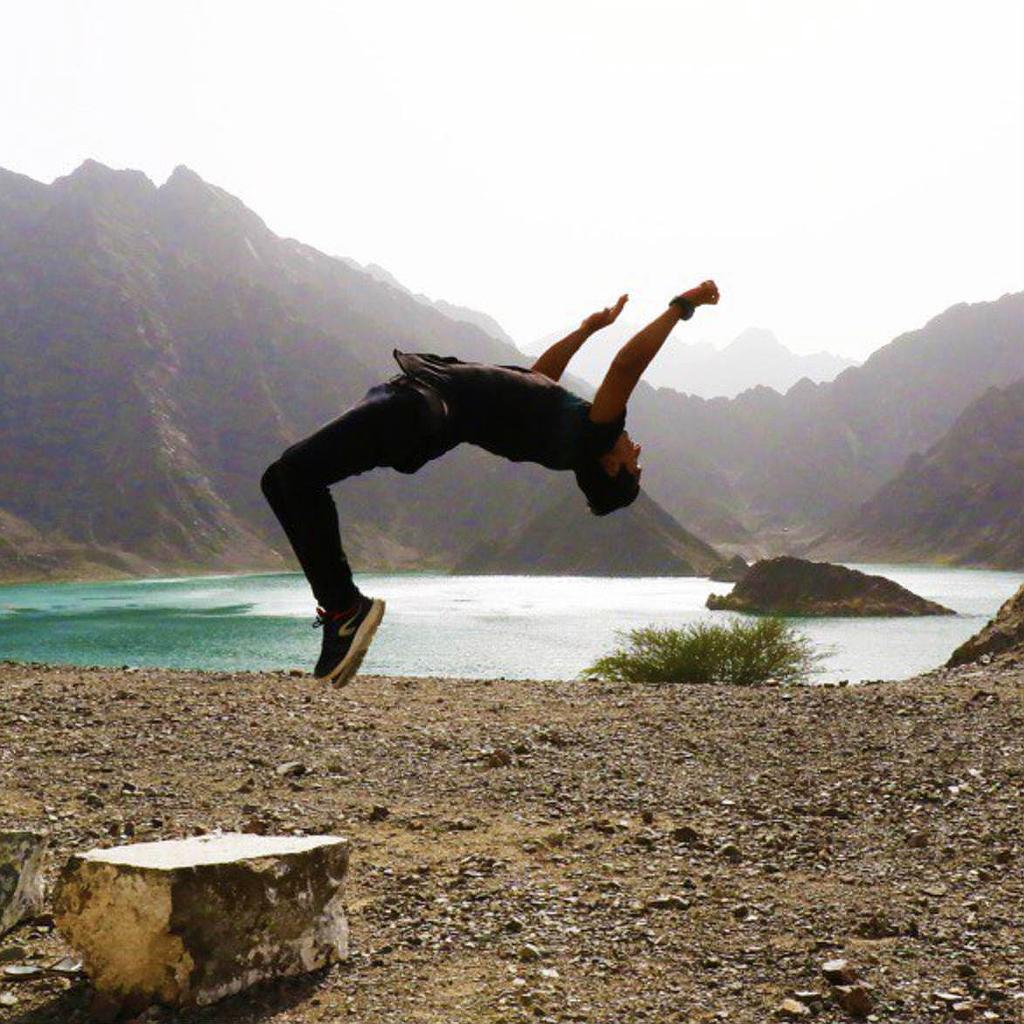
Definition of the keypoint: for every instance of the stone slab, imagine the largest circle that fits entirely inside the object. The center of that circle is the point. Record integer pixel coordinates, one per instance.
(188, 922)
(21, 877)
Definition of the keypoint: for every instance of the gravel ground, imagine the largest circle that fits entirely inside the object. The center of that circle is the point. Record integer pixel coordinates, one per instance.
(552, 851)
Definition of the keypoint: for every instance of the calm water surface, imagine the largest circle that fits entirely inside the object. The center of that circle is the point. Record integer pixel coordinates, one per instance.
(512, 626)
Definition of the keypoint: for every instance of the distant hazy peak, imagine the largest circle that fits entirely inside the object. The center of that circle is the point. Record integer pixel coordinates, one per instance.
(754, 357)
(186, 193)
(755, 339)
(21, 198)
(92, 174)
(12, 183)
(182, 175)
(183, 181)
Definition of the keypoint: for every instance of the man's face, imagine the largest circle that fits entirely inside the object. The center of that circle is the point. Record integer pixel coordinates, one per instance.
(625, 452)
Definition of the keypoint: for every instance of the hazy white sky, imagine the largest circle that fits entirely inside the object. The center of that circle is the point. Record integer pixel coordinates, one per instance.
(843, 169)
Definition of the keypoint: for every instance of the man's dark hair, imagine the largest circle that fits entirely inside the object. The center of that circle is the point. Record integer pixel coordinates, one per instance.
(606, 493)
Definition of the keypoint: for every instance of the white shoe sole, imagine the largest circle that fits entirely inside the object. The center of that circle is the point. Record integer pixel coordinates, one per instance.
(349, 665)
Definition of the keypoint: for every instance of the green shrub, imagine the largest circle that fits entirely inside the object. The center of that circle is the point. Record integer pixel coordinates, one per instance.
(743, 653)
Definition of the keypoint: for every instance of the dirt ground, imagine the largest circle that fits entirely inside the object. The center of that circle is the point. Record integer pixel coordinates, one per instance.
(565, 851)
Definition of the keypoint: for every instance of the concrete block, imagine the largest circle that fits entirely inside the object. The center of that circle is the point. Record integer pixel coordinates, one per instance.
(190, 921)
(21, 877)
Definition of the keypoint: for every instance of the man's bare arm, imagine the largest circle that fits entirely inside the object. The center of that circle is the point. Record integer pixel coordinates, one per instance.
(555, 359)
(635, 356)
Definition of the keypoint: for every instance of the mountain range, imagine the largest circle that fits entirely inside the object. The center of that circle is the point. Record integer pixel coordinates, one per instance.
(787, 468)
(159, 346)
(755, 358)
(960, 501)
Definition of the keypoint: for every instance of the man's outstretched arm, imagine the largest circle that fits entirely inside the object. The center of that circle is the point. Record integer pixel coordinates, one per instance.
(635, 356)
(554, 361)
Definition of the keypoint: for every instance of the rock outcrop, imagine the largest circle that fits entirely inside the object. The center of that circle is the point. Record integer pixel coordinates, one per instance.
(793, 586)
(190, 921)
(21, 877)
(1003, 636)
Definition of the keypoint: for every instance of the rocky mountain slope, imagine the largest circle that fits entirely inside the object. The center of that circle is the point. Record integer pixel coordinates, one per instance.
(1001, 638)
(788, 466)
(641, 540)
(958, 502)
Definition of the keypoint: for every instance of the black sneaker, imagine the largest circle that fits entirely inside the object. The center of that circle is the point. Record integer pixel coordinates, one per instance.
(347, 638)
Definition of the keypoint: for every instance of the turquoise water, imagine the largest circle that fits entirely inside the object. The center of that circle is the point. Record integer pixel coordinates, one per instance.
(513, 626)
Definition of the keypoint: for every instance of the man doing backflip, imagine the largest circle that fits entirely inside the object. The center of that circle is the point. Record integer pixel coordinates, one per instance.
(436, 403)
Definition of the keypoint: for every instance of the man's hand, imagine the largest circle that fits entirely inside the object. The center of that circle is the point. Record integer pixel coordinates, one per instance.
(604, 317)
(705, 294)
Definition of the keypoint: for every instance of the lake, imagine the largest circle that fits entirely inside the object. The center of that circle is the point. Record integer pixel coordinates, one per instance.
(472, 626)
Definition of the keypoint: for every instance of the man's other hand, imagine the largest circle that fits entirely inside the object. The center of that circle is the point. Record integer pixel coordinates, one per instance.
(604, 317)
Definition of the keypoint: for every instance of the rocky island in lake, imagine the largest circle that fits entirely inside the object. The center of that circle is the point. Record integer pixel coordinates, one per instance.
(794, 586)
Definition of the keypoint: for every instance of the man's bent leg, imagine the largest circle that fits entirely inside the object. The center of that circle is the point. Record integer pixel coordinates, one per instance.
(309, 518)
(383, 430)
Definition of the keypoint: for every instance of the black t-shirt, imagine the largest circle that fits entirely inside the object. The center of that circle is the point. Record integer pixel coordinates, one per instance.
(513, 411)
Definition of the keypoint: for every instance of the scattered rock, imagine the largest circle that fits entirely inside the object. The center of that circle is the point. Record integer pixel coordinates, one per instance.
(792, 1009)
(460, 825)
(839, 972)
(686, 834)
(444, 912)
(496, 758)
(881, 926)
(21, 877)
(66, 965)
(22, 972)
(668, 902)
(213, 915)
(855, 999)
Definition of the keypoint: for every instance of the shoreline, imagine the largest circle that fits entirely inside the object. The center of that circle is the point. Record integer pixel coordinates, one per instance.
(116, 576)
(572, 851)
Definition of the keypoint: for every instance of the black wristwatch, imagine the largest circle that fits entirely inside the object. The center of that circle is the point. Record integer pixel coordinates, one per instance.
(684, 305)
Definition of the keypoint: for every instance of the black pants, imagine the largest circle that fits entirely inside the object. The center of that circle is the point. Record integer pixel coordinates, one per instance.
(397, 424)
